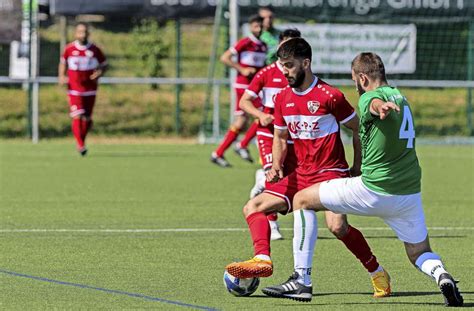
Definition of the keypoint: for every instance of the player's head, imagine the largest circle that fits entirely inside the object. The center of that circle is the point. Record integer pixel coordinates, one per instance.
(367, 68)
(288, 34)
(81, 33)
(255, 25)
(266, 13)
(294, 56)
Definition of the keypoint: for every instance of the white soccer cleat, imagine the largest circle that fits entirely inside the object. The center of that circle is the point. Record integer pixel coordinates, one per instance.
(275, 233)
(259, 183)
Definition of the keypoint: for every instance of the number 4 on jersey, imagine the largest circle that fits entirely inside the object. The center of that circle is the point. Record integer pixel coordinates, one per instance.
(407, 130)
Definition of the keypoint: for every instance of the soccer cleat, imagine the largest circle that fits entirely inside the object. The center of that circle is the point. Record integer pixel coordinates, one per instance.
(275, 231)
(452, 296)
(243, 153)
(290, 289)
(381, 284)
(221, 161)
(253, 268)
(82, 151)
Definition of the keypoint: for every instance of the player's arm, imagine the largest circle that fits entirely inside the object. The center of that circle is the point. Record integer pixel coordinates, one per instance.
(353, 125)
(62, 72)
(279, 148)
(226, 59)
(246, 103)
(381, 108)
(101, 68)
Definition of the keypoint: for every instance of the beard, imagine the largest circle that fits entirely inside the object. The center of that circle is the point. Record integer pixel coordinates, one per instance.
(359, 88)
(296, 81)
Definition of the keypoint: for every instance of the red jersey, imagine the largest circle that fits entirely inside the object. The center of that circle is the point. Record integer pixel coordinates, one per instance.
(250, 52)
(270, 80)
(312, 118)
(81, 61)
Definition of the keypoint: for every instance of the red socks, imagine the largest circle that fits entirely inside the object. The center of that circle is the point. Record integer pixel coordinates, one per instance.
(86, 125)
(249, 135)
(229, 138)
(260, 232)
(356, 243)
(272, 217)
(77, 130)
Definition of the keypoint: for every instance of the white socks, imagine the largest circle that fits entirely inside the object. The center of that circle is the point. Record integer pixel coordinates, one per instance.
(263, 257)
(379, 269)
(304, 240)
(430, 264)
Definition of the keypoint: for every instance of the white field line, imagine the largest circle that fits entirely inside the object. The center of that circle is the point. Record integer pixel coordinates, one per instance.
(197, 230)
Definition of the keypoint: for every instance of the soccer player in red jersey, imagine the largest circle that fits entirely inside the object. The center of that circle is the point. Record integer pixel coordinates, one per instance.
(310, 111)
(251, 53)
(267, 83)
(81, 66)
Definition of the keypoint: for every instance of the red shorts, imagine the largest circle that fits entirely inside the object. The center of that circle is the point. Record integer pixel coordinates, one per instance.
(257, 102)
(81, 105)
(287, 187)
(265, 144)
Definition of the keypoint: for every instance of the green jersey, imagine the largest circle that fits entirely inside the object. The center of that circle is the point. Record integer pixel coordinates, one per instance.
(270, 38)
(389, 161)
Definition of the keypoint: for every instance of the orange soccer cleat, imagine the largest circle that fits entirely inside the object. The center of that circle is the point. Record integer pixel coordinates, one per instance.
(253, 268)
(381, 284)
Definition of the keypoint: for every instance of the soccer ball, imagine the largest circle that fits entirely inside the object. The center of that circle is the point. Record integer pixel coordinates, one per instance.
(240, 287)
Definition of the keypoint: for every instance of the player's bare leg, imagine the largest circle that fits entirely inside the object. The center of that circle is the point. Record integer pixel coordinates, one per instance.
(422, 257)
(255, 212)
(217, 156)
(357, 244)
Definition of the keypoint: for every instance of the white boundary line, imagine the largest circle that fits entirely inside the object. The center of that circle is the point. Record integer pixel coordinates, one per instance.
(197, 230)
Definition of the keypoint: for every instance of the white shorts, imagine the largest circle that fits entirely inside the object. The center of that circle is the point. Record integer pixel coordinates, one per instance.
(403, 213)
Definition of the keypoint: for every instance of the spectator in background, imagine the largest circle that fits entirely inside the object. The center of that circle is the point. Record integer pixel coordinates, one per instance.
(81, 65)
(270, 35)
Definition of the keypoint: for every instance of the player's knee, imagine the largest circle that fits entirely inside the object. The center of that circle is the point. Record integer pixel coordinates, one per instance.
(301, 201)
(250, 208)
(339, 229)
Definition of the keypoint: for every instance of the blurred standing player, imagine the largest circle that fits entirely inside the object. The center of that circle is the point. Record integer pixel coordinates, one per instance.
(311, 111)
(268, 82)
(251, 53)
(81, 66)
(270, 35)
(390, 184)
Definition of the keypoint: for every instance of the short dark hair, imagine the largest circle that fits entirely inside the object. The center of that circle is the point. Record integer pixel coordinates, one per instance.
(369, 64)
(255, 19)
(295, 47)
(289, 33)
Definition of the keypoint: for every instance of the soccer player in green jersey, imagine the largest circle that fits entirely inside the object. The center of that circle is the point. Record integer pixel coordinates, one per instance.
(270, 35)
(389, 186)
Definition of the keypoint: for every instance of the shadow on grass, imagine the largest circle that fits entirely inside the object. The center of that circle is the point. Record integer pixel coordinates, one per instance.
(385, 301)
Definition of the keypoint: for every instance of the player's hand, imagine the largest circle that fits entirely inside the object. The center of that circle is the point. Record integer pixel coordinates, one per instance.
(247, 71)
(274, 174)
(63, 80)
(96, 74)
(384, 109)
(265, 119)
(355, 171)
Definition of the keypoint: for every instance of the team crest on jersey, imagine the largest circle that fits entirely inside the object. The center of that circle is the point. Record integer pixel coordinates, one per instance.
(313, 106)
